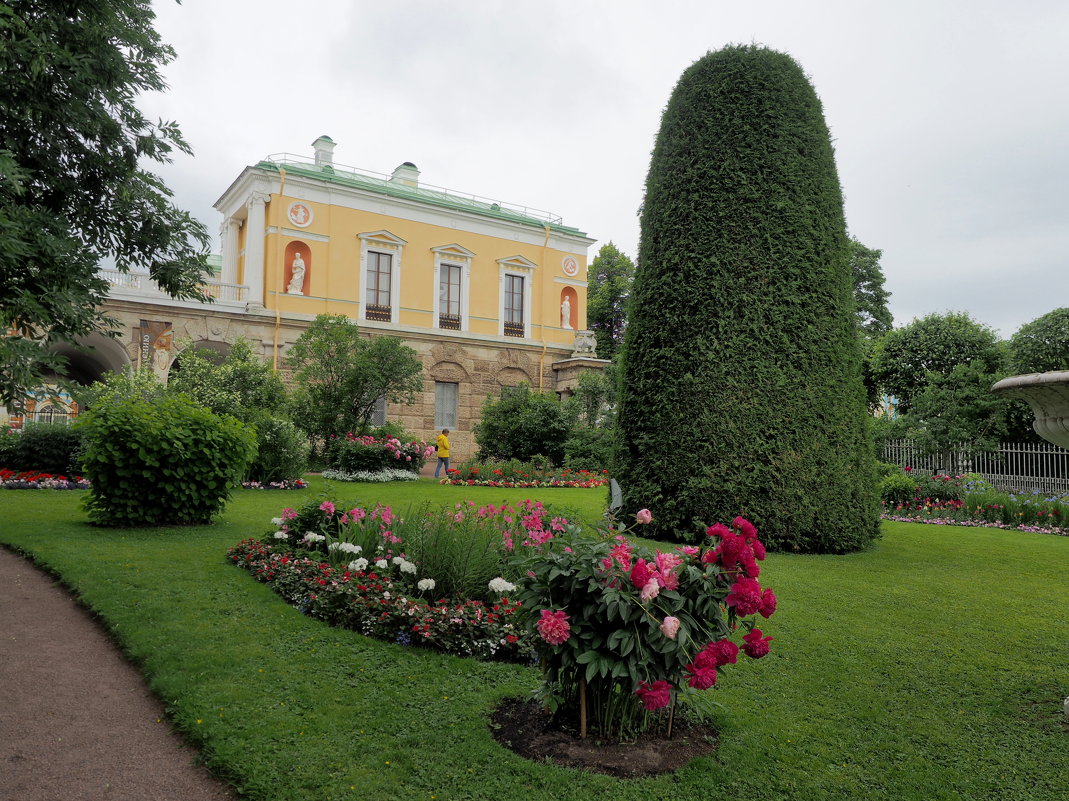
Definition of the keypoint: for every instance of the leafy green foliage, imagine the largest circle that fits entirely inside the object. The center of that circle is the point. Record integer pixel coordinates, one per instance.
(610, 275)
(242, 385)
(352, 454)
(340, 375)
(48, 447)
(741, 386)
(281, 451)
(72, 187)
(907, 359)
(160, 462)
(870, 297)
(115, 387)
(1041, 345)
(522, 424)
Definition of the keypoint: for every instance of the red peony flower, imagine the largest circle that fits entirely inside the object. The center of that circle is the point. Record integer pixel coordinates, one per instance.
(554, 627)
(756, 645)
(722, 652)
(719, 530)
(654, 697)
(768, 603)
(640, 574)
(745, 596)
(745, 527)
(701, 677)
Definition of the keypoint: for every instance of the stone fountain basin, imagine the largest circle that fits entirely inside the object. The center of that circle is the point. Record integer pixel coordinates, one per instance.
(1048, 395)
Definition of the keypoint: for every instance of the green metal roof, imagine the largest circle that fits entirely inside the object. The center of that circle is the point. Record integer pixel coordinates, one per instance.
(431, 196)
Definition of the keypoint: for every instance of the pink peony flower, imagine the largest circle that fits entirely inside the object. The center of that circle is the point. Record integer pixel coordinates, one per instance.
(768, 603)
(554, 627)
(745, 596)
(701, 677)
(689, 550)
(756, 646)
(668, 561)
(651, 590)
(327, 507)
(670, 627)
(654, 697)
(758, 550)
(732, 550)
(643, 517)
(722, 652)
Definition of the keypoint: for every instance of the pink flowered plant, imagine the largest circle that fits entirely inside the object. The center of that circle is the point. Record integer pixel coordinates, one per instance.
(755, 645)
(553, 627)
(670, 627)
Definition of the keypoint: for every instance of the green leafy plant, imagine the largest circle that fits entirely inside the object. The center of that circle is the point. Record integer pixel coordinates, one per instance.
(281, 451)
(47, 447)
(160, 462)
(625, 631)
(522, 424)
(353, 454)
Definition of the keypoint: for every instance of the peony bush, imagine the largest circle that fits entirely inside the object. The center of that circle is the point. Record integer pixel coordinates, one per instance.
(624, 632)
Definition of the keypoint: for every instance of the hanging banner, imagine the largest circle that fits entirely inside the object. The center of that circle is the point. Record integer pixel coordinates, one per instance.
(155, 346)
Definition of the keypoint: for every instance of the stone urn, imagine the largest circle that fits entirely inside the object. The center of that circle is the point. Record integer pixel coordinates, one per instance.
(1048, 395)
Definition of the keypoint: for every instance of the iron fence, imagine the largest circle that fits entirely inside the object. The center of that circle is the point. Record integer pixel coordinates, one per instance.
(1015, 466)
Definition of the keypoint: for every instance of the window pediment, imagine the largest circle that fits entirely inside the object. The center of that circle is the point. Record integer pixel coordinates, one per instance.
(517, 263)
(454, 251)
(382, 239)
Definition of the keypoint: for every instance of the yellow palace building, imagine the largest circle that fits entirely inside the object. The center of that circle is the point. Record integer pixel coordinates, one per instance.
(488, 294)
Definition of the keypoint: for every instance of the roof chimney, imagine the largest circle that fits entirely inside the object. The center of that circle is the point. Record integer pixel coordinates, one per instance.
(324, 151)
(406, 174)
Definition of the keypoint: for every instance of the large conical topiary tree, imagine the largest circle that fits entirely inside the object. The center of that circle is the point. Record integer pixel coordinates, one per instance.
(741, 388)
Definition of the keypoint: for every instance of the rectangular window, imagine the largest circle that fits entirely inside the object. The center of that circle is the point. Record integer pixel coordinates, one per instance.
(449, 296)
(378, 412)
(379, 273)
(445, 404)
(514, 305)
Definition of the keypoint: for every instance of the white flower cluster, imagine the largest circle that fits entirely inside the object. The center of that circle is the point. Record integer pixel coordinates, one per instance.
(276, 521)
(345, 547)
(381, 476)
(282, 535)
(425, 584)
(358, 564)
(500, 585)
(311, 536)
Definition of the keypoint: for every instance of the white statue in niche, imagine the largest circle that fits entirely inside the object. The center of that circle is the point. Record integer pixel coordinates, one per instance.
(565, 313)
(296, 285)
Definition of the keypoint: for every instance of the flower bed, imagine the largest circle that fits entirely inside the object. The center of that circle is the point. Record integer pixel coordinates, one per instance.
(496, 478)
(297, 483)
(35, 479)
(371, 477)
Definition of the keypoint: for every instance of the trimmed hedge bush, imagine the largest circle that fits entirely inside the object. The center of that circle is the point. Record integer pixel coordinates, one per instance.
(522, 424)
(741, 388)
(48, 447)
(160, 462)
(281, 451)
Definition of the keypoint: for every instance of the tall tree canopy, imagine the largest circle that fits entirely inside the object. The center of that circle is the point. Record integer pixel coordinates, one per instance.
(340, 375)
(72, 188)
(870, 298)
(906, 359)
(741, 389)
(609, 276)
(1041, 345)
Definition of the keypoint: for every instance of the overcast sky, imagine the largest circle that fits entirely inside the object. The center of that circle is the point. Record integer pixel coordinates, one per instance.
(950, 119)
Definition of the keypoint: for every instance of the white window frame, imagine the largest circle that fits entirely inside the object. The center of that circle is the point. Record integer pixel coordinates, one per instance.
(446, 417)
(393, 246)
(378, 412)
(522, 268)
(460, 256)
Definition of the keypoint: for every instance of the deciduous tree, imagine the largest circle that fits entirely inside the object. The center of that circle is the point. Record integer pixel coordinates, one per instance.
(73, 190)
(610, 275)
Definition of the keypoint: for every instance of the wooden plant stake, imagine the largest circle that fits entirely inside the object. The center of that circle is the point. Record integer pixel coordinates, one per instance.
(582, 708)
(671, 716)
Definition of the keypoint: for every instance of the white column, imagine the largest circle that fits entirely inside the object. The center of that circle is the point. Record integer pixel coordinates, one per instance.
(254, 250)
(229, 274)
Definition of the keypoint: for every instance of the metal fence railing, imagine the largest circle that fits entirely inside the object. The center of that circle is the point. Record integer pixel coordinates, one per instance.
(1015, 466)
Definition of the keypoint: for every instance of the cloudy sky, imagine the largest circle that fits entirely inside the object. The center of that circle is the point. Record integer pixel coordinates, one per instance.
(949, 117)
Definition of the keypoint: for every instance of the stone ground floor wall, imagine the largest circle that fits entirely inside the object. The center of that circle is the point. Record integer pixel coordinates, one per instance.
(156, 334)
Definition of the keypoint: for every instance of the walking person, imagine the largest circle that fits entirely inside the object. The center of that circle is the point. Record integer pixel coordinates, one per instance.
(443, 453)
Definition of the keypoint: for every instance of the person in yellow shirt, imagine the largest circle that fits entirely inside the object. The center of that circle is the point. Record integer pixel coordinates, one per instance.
(443, 453)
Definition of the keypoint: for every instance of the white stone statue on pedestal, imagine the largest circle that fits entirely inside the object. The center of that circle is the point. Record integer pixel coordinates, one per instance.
(565, 313)
(296, 285)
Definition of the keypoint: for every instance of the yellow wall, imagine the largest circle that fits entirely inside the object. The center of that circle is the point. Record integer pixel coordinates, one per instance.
(333, 284)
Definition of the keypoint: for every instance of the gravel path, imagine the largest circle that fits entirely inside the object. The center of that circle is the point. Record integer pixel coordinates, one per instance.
(76, 720)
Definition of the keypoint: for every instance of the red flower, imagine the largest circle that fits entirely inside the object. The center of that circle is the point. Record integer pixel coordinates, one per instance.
(655, 697)
(719, 530)
(756, 645)
(768, 603)
(745, 527)
(745, 596)
(722, 652)
(701, 678)
(640, 574)
(554, 627)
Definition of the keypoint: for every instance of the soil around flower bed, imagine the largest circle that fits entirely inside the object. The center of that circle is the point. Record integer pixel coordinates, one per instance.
(525, 727)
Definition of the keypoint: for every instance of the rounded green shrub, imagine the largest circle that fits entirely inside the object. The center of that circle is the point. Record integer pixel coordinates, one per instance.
(522, 424)
(281, 451)
(741, 330)
(896, 488)
(48, 447)
(161, 462)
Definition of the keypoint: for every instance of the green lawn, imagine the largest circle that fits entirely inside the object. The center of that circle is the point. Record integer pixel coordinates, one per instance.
(932, 666)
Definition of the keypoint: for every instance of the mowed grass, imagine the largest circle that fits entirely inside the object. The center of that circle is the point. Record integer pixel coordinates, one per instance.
(932, 666)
